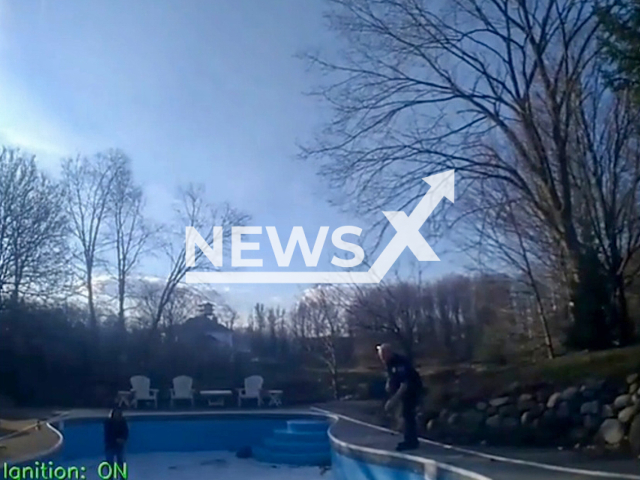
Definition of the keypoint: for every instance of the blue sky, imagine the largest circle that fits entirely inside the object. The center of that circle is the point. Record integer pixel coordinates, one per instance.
(193, 90)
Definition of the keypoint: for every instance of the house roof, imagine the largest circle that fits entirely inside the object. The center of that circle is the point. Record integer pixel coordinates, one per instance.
(205, 324)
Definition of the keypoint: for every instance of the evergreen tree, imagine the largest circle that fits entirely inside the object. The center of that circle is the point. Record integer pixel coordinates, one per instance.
(621, 42)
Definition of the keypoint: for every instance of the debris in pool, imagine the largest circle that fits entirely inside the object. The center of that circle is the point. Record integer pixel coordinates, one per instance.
(244, 452)
(215, 461)
(324, 470)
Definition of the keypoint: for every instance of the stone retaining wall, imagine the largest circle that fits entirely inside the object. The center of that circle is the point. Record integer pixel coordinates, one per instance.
(596, 414)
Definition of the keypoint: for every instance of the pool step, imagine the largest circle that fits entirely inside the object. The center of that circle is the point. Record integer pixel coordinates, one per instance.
(307, 426)
(302, 437)
(303, 442)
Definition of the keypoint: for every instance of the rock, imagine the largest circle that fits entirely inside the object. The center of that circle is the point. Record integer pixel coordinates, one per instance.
(633, 389)
(622, 401)
(432, 425)
(563, 410)
(525, 397)
(553, 400)
(578, 435)
(634, 436)
(508, 411)
(481, 406)
(569, 394)
(607, 411)
(611, 431)
(471, 420)
(453, 419)
(594, 384)
(444, 414)
(499, 402)
(494, 422)
(591, 423)
(536, 410)
(526, 405)
(587, 393)
(548, 417)
(529, 417)
(633, 378)
(514, 388)
(590, 408)
(491, 411)
(542, 396)
(577, 419)
(626, 415)
(510, 423)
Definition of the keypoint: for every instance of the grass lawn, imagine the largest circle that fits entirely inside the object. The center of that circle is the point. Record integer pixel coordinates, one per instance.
(478, 380)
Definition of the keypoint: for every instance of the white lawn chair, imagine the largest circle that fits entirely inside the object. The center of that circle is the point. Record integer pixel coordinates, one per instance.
(252, 390)
(182, 389)
(140, 386)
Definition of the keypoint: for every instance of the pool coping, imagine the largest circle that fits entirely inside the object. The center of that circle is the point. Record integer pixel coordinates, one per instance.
(431, 467)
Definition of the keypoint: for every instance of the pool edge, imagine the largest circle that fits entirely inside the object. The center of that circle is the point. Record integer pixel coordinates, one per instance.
(429, 469)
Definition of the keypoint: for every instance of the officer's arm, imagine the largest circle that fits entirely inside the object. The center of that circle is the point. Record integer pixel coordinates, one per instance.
(398, 395)
(403, 379)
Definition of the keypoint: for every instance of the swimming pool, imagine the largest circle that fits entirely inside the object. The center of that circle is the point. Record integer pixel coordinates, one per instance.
(186, 446)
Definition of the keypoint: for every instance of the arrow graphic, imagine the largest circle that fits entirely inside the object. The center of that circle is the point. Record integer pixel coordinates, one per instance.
(407, 235)
(408, 228)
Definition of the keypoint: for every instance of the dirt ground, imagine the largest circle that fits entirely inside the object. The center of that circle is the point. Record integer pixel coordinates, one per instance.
(29, 442)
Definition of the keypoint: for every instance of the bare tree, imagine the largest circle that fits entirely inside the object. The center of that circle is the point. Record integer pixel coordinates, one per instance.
(88, 184)
(513, 239)
(394, 309)
(182, 304)
(32, 230)
(320, 309)
(227, 315)
(128, 228)
(510, 95)
(195, 212)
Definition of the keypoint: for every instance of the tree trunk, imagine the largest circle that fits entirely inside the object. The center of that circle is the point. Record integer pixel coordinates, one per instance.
(548, 343)
(93, 320)
(121, 298)
(589, 302)
(623, 320)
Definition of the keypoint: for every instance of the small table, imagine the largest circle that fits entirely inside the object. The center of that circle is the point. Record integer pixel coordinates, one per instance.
(124, 398)
(275, 397)
(215, 398)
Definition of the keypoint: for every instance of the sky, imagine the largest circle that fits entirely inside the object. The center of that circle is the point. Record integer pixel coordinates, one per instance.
(193, 91)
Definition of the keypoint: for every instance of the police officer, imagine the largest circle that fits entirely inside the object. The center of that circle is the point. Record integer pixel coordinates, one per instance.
(405, 387)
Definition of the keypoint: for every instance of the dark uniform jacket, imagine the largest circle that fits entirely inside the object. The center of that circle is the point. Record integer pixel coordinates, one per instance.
(115, 429)
(399, 371)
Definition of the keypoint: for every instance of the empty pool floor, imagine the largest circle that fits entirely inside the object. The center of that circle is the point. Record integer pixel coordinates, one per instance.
(199, 466)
